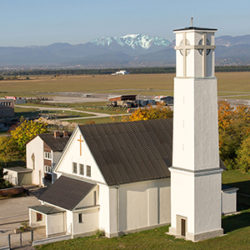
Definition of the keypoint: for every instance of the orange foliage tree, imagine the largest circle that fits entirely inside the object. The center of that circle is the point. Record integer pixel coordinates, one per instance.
(150, 113)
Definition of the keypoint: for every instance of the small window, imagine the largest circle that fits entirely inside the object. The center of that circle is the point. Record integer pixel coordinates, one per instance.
(47, 155)
(88, 171)
(81, 169)
(94, 198)
(48, 169)
(80, 218)
(39, 217)
(74, 168)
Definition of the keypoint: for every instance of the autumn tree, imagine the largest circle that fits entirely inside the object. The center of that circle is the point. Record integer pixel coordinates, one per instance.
(234, 128)
(26, 131)
(150, 113)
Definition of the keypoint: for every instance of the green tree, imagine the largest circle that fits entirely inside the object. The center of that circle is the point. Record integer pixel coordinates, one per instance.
(9, 151)
(243, 155)
(234, 127)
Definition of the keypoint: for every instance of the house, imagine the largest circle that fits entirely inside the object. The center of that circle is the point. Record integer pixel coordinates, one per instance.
(42, 154)
(6, 108)
(116, 177)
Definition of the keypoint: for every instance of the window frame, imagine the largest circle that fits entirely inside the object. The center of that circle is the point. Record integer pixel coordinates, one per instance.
(80, 219)
(48, 155)
(81, 169)
(88, 171)
(74, 167)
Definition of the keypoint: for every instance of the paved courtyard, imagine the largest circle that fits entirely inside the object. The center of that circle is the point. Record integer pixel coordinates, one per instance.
(12, 213)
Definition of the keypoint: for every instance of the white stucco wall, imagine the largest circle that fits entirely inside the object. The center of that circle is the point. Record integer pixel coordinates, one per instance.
(55, 224)
(89, 199)
(32, 219)
(182, 198)
(195, 135)
(90, 221)
(104, 215)
(35, 146)
(207, 203)
(24, 178)
(72, 154)
(229, 201)
(140, 205)
(11, 176)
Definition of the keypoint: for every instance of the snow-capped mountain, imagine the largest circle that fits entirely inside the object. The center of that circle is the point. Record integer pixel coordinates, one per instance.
(132, 50)
(133, 41)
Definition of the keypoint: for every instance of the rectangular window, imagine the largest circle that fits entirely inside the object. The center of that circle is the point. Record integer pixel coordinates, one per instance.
(47, 155)
(88, 171)
(47, 169)
(74, 168)
(94, 198)
(81, 169)
(39, 217)
(80, 218)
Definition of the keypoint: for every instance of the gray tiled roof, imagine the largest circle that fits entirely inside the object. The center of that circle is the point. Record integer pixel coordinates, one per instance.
(131, 151)
(56, 144)
(66, 192)
(45, 209)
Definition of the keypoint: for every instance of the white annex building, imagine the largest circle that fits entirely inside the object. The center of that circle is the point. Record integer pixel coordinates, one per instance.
(116, 177)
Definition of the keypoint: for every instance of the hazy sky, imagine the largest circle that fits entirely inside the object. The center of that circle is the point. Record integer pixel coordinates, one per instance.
(40, 22)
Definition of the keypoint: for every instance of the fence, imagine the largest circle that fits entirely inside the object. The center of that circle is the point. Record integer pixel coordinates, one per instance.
(17, 240)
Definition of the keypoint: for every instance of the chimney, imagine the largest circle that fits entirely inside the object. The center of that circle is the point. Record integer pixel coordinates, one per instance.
(65, 134)
(56, 134)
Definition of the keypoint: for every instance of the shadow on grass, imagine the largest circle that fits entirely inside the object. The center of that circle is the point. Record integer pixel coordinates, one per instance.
(234, 222)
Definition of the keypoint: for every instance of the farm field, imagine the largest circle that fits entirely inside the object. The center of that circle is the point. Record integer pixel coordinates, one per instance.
(233, 84)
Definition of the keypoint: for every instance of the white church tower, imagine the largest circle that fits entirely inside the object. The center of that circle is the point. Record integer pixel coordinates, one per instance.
(196, 173)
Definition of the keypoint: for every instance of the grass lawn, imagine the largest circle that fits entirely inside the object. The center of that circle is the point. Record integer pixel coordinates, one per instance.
(33, 112)
(97, 120)
(143, 84)
(236, 228)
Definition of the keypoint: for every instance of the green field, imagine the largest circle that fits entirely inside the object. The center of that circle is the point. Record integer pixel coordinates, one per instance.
(230, 83)
(33, 112)
(236, 228)
(96, 120)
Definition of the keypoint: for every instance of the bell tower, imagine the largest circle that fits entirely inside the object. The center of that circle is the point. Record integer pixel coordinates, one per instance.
(196, 172)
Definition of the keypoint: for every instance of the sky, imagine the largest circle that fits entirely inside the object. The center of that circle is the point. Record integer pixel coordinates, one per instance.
(43, 22)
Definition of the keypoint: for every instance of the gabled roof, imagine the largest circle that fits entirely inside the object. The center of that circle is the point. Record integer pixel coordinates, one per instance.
(56, 144)
(66, 192)
(131, 151)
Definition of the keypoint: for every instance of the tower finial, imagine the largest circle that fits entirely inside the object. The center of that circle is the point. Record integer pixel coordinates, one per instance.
(192, 22)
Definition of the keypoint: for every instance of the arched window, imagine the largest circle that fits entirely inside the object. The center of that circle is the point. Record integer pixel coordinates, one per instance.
(33, 160)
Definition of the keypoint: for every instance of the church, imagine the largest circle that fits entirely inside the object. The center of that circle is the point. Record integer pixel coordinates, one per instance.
(126, 177)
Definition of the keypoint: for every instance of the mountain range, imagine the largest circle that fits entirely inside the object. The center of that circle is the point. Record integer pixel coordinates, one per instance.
(132, 50)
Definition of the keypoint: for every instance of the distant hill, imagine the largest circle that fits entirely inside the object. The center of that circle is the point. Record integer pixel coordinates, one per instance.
(132, 50)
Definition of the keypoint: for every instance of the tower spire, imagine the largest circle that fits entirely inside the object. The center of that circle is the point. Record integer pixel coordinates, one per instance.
(192, 22)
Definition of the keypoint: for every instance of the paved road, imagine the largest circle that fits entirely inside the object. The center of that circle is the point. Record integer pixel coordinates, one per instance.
(12, 213)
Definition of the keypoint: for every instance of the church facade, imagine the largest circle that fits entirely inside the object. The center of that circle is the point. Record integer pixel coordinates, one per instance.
(116, 177)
